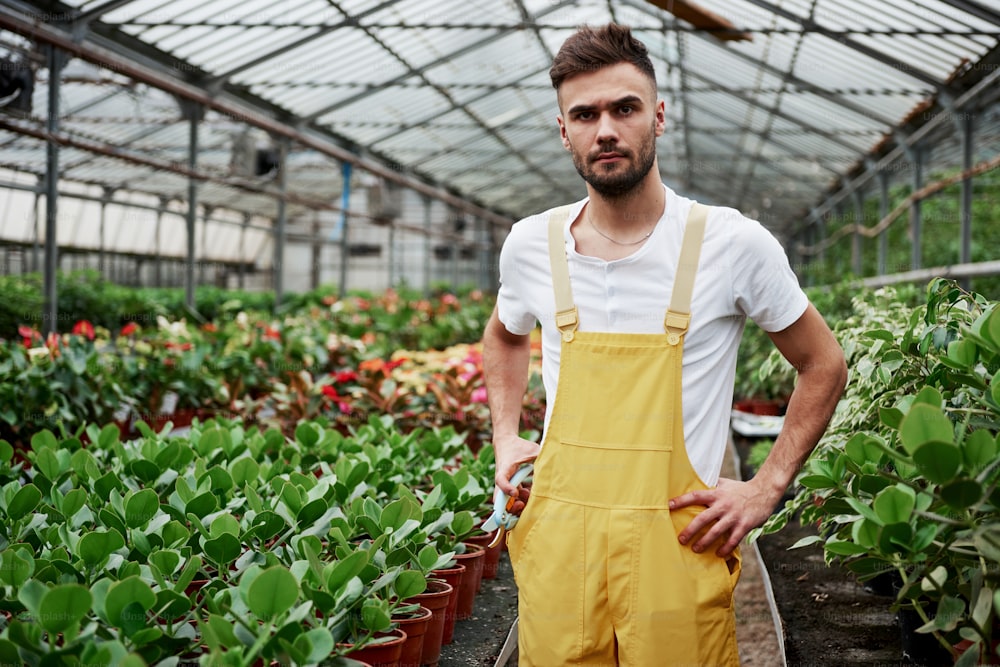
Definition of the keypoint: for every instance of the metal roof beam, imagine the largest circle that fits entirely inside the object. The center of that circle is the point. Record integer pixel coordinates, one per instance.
(976, 9)
(874, 54)
(829, 136)
(542, 173)
(219, 79)
(314, 138)
(98, 11)
(448, 57)
(788, 76)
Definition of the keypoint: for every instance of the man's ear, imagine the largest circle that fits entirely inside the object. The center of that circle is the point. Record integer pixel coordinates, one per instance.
(562, 133)
(661, 117)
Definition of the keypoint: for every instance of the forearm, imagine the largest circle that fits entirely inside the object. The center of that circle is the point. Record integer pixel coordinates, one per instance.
(810, 408)
(812, 349)
(505, 371)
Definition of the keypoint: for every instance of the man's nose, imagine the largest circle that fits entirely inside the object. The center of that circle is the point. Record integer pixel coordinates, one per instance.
(607, 132)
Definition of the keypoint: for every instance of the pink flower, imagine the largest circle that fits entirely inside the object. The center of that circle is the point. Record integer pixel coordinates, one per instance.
(478, 395)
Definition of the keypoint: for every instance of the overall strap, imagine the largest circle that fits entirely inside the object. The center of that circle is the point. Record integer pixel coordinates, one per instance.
(566, 317)
(679, 313)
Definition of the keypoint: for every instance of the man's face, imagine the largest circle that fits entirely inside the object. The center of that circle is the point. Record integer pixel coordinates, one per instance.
(610, 120)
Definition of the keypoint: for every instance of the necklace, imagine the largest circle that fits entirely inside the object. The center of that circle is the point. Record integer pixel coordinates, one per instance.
(616, 242)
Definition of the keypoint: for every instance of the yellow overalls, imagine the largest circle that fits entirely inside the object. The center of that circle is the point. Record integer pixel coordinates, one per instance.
(602, 579)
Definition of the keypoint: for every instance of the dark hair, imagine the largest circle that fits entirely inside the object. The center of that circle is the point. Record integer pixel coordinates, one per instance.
(590, 49)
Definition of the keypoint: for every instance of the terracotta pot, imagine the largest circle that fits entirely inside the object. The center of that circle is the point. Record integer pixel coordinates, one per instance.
(472, 559)
(453, 577)
(385, 654)
(491, 561)
(415, 628)
(436, 598)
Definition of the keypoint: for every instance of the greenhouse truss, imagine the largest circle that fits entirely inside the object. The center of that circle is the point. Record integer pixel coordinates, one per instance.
(411, 134)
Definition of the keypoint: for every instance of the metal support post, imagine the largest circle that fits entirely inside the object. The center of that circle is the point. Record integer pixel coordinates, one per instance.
(965, 244)
(917, 155)
(193, 111)
(56, 59)
(883, 210)
(278, 274)
(856, 242)
(427, 245)
(345, 203)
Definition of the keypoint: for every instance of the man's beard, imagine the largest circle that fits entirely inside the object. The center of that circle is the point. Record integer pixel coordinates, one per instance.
(617, 185)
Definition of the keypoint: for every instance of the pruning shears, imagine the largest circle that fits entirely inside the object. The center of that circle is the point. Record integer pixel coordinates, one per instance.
(502, 520)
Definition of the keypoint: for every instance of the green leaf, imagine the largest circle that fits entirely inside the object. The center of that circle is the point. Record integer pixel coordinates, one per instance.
(924, 423)
(978, 451)
(987, 541)
(409, 583)
(30, 595)
(346, 569)
(244, 470)
(949, 613)
(891, 417)
(224, 523)
(995, 385)
(818, 482)
(62, 606)
(938, 461)
(321, 642)
(43, 440)
(991, 328)
(272, 593)
(312, 511)
(17, 567)
(47, 462)
(395, 514)
(844, 548)
(962, 493)
(129, 591)
(374, 616)
(894, 504)
(962, 353)
(132, 619)
(307, 435)
(95, 547)
(141, 507)
(146, 471)
(866, 533)
(73, 502)
(223, 549)
(24, 501)
(165, 560)
(202, 505)
(929, 396)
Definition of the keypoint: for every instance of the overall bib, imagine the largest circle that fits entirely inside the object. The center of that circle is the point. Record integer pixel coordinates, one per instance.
(602, 579)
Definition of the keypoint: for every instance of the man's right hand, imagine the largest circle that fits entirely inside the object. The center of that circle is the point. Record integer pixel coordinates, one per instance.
(511, 453)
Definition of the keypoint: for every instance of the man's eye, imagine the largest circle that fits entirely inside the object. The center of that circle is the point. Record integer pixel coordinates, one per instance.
(625, 110)
(585, 115)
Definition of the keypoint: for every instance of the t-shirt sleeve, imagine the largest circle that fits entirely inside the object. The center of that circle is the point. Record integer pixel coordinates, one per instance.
(512, 307)
(764, 286)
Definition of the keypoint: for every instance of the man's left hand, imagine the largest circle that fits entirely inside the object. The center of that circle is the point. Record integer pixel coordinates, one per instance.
(732, 509)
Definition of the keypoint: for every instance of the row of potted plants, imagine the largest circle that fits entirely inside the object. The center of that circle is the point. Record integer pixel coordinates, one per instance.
(904, 483)
(230, 545)
(339, 357)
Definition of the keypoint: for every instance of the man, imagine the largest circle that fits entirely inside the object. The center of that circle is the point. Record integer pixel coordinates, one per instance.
(626, 552)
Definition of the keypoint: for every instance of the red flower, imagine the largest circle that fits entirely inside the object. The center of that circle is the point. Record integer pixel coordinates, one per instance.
(330, 392)
(84, 328)
(129, 329)
(271, 333)
(395, 364)
(52, 342)
(183, 347)
(345, 376)
(209, 327)
(28, 335)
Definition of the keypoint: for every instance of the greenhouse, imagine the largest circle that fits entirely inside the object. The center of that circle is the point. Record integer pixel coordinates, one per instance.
(250, 256)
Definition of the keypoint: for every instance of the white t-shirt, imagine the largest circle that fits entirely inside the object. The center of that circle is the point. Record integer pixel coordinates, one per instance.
(743, 272)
